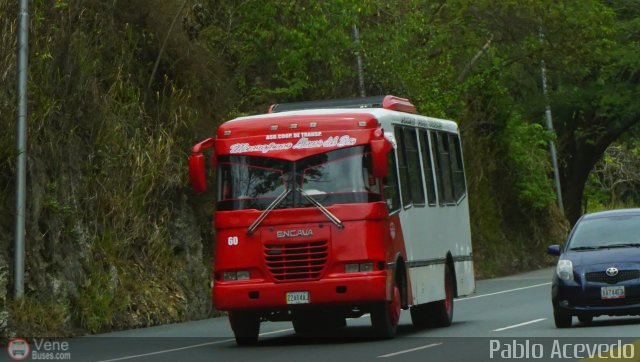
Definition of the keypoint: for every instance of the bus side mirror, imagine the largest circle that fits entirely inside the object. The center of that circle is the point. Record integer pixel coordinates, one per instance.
(197, 173)
(197, 167)
(379, 150)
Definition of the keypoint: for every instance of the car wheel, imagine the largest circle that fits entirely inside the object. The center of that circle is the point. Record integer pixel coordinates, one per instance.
(562, 320)
(585, 318)
(245, 326)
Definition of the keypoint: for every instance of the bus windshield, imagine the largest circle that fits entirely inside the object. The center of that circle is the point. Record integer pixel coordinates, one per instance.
(335, 177)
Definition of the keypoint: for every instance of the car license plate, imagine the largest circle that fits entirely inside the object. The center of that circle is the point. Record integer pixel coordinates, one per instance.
(297, 297)
(612, 292)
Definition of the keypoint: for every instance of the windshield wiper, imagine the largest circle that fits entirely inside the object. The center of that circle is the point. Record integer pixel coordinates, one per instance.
(266, 211)
(323, 209)
(583, 248)
(620, 245)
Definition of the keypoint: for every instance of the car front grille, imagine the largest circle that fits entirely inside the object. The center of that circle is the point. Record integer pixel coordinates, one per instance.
(602, 277)
(298, 261)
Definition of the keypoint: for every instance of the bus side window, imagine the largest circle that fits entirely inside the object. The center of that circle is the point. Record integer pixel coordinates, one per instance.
(403, 168)
(457, 169)
(390, 184)
(447, 180)
(437, 164)
(413, 165)
(428, 167)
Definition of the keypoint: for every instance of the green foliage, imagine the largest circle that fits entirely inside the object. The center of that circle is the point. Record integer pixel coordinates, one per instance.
(526, 148)
(285, 50)
(36, 316)
(614, 182)
(97, 303)
(106, 172)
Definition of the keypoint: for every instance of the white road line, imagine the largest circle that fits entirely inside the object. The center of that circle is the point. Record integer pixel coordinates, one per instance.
(166, 351)
(409, 350)
(185, 347)
(275, 332)
(502, 292)
(520, 324)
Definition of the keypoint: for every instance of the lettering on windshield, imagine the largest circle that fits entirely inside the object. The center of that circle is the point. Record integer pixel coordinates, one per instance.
(302, 143)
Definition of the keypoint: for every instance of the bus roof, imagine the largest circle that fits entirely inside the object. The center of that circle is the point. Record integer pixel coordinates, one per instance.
(347, 118)
(386, 102)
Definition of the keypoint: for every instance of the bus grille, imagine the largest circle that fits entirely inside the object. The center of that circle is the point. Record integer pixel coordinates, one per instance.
(296, 261)
(602, 277)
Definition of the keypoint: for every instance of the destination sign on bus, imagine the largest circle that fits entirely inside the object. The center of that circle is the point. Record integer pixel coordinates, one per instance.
(302, 143)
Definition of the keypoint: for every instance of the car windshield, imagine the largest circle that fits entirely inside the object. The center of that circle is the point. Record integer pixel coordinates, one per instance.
(606, 232)
(340, 176)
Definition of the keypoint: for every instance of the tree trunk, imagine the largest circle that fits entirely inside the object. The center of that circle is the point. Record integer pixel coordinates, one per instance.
(579, 156)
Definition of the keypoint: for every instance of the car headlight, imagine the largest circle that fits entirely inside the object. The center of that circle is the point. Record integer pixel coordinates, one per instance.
(565, 269)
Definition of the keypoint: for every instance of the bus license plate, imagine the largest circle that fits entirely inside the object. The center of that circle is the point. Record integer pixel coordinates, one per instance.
(612, 292)
(297, 297)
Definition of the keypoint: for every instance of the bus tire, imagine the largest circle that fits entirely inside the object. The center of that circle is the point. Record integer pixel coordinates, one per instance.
(442, 310)
(420, 316)
(245, 326)
(385, 316)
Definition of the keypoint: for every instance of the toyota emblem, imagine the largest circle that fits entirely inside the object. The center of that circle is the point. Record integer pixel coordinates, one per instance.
(612, 272)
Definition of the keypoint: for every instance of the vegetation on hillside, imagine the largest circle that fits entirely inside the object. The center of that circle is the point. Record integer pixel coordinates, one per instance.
(120, 90)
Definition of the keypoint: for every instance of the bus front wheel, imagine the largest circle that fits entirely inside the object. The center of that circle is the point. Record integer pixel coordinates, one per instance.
(245, 326)
(385, 316)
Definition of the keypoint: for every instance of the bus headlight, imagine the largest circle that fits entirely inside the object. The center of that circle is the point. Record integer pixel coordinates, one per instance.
(236, 275)
(360, 267)
(243, 275)
(351, 268)
(366, 267)
(565, 269)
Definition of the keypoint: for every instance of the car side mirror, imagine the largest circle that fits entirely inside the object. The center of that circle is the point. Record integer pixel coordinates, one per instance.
(553, 250)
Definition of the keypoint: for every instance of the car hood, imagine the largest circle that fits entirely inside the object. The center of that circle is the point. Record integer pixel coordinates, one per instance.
(604, 256)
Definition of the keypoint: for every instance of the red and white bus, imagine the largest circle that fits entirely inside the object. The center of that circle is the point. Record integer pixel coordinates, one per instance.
(330, 210)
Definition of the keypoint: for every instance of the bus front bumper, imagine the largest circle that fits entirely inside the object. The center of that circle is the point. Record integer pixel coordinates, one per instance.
(352, 290)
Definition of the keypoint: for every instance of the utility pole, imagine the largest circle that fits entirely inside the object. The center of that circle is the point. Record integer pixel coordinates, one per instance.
(21, 146)
(549, 119)
(356, 40)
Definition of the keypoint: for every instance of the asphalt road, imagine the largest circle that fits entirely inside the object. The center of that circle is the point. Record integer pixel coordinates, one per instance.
(507, 318)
